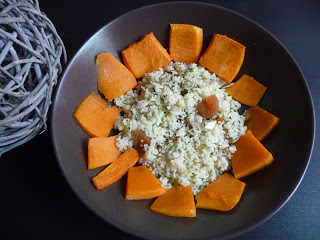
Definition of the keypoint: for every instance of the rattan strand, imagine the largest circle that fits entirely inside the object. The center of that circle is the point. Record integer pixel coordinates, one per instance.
(30, 63)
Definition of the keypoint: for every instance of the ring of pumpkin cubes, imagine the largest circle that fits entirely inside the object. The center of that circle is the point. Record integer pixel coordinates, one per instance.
(224, 56)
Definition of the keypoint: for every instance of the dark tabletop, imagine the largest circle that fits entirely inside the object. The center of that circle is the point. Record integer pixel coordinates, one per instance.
(36, 201)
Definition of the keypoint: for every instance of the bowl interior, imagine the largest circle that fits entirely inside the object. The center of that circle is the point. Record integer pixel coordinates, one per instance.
(266, 60)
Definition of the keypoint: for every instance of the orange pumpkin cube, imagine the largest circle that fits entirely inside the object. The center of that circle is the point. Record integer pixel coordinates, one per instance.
(260, 122)
(185, 43)
(95, 116)
(250, 157)
(247, 90)
(222, 194)
(102, 151)
(176, 202)
(117, 169)
(224, 57)
(114, 79)
(142, 184)
(145, 56)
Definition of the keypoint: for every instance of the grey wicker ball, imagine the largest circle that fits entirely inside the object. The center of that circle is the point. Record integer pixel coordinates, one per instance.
(30, 63)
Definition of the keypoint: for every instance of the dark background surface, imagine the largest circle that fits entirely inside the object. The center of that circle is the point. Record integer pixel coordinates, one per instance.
(36, 201)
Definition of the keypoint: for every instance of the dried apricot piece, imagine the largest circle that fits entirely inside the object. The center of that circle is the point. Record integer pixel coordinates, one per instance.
(208, 107)
(141, 140)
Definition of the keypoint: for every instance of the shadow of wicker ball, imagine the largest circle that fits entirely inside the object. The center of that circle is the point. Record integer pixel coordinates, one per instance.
(30, 63)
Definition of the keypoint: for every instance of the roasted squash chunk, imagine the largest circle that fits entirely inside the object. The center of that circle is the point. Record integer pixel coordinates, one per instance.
(224, 57)
(250, 157)
(260, 122)
(95, 116)
(178, 201)
(222, 194)
(114, 79)
(185, 43)
(145, 56)
(247, 91)
(102, 151)
(142, 184)
(117, 169)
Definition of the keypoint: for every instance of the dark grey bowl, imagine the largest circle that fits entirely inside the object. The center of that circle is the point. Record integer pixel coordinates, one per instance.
(266, 60)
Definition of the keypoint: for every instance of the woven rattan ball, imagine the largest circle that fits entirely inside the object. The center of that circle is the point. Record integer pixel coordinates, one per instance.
(30, 62)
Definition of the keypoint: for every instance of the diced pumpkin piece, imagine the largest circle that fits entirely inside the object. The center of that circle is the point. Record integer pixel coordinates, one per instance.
(208, 107)
(247, 90)
(250, 157)
(141, 140)
(178, 201)
(145, 56)
(260, 122)
(114, 79)
(95, 116)
(142, 184)
(222, 194)
(185, 43)
(117, 169)
(102, 151)
(224, 57)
